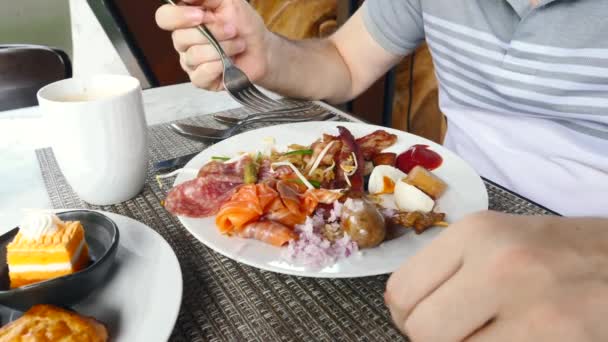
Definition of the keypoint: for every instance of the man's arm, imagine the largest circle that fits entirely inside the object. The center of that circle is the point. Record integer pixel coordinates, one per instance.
(336, 69)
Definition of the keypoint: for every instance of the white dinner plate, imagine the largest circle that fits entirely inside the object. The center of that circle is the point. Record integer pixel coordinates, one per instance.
(141, 298)
(466, 194)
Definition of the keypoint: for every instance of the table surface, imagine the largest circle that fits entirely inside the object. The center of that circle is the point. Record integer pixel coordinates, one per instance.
(22, 132)
(244, 314)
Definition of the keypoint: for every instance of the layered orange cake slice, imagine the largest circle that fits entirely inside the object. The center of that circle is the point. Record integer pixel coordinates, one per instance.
(46, 248)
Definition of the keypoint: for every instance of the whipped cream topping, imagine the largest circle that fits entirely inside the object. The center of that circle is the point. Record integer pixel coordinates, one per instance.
(38, 224)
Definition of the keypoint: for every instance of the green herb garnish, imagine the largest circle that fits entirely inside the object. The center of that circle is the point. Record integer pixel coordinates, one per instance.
(315, 183)
(220, 158)
(312, 182)
(298, 152)
(250, 173)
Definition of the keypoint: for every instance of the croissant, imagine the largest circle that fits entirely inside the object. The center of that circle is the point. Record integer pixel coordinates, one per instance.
(44, 323)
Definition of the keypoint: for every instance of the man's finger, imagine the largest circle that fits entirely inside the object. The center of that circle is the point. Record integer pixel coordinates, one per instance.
(499, 331)
(171, 18)
(184, 65)
(185, 38)
(423, 273)
(199, 54)
(460, 306)
(210, 4)
(207, 74)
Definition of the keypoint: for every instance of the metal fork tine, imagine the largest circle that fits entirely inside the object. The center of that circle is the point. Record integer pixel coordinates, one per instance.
(205, 133)
(262, 97)
(301, 105)
(268, 102)
(242, 99)
(252, 99)
(293, 110)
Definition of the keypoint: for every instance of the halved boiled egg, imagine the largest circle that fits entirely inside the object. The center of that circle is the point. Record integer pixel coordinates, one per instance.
(410, 198)
(383, 179)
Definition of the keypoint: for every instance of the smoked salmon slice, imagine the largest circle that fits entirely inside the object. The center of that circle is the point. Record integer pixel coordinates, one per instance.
(258, 211)
(246, 205)
(270, 232)
(313, 197)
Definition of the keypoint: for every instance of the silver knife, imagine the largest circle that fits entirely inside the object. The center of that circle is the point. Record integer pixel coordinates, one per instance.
(173, 163)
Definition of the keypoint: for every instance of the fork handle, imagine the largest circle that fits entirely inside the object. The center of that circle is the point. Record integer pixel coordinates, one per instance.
(205, 31)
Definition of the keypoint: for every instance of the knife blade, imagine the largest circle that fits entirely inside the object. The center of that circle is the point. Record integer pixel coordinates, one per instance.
(173, 163)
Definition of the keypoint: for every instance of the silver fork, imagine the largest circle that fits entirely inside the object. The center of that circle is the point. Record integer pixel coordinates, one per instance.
(207, 133)
(235, 81)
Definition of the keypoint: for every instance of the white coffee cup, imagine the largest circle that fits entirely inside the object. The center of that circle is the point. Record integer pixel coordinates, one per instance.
(98, 133)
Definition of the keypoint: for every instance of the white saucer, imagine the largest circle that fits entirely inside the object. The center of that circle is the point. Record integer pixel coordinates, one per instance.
(141, 298)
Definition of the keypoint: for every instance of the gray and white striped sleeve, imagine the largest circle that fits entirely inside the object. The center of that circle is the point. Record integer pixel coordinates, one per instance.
(395, 24)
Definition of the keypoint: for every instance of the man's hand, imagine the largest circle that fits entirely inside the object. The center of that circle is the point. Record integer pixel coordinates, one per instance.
(498, 277)
(335, 69)
(234, 23)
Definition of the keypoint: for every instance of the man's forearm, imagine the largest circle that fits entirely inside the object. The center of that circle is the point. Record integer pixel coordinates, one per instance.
(311, 69)
(335, 69)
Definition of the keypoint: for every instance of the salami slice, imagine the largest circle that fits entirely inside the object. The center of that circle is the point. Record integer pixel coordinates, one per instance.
(218, 167)
(202, 196)
(265, 172)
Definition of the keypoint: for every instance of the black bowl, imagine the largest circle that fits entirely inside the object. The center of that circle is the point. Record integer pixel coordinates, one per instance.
(101, 234)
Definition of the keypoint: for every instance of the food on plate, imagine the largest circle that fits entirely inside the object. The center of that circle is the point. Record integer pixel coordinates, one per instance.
(271, 232)
(368, 168)
(383, 179)
(214, 184)
(44, 248)
(374, 143)
(418, 155)
(247, 205)
(384, 158)
(363, 222)
(351, 161)
(312, 199)
(418, 220)
(426, 181)
(410, 198)
(49, 323)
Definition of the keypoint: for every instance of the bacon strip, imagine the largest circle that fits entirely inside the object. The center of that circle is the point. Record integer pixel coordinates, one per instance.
(375, 143)
(349, 146)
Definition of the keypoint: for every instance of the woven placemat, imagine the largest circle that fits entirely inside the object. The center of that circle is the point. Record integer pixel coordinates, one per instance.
(224, 300)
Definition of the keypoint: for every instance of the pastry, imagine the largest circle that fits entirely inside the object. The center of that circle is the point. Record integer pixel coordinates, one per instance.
(44, 248)
(49, 323)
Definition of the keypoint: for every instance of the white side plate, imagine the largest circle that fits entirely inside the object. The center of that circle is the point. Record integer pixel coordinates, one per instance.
(141, 298)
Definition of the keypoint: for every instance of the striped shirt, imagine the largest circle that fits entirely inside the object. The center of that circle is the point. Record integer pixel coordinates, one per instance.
(525, 89)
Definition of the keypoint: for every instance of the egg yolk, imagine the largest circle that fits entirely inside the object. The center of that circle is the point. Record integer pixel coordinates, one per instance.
(388, 186)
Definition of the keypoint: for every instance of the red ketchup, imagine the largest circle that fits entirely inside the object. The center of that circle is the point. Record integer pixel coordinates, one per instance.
(418, 155)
